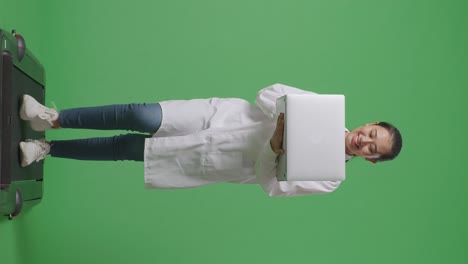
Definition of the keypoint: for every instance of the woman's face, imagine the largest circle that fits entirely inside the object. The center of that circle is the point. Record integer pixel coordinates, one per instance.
(370, 141)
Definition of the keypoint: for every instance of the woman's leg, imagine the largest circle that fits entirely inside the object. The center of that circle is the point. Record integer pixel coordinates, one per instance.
(136, 117)
(122, 147)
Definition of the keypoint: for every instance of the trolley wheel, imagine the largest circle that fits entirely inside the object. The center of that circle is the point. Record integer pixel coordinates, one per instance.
(18, 205)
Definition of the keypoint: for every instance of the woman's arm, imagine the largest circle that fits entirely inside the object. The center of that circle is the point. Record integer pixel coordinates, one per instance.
(266, 98)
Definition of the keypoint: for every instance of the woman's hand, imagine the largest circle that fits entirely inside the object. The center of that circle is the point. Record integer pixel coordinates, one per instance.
(276, 141)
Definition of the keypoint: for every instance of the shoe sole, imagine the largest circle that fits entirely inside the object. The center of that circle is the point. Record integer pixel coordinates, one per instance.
(22, 149)
(22, 113)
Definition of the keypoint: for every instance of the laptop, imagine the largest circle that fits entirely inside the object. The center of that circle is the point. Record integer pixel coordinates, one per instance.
(313, 137)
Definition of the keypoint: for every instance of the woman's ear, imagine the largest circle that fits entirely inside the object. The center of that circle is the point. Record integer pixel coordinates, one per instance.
(371, 160)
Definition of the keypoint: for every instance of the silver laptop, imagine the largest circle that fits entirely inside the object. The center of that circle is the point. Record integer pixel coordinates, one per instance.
(313, 138)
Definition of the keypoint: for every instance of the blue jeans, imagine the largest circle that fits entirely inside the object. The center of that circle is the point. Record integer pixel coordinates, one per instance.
(144, 118)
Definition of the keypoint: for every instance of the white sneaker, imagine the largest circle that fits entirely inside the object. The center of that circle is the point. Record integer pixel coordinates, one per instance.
(40, 117)
(33, 150)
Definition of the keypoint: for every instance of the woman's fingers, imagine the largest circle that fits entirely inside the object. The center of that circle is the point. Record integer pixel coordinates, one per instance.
(281, 126)
(280, 121)
(277, 138)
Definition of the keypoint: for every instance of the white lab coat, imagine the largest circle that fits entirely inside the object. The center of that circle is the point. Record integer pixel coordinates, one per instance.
(206, 141)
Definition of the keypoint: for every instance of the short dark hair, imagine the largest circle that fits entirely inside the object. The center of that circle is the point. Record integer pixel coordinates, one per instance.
(397, 142)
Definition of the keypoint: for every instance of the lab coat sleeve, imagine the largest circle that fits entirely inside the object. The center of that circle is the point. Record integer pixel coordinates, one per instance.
(266, 98)
(265, 169)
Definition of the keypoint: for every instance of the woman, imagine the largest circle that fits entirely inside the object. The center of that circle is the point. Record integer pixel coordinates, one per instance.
(196, 142)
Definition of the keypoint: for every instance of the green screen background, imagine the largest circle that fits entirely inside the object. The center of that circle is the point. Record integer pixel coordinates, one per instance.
(400, 61)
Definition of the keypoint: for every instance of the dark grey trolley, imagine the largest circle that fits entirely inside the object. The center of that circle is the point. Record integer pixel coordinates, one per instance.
(20, 73)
